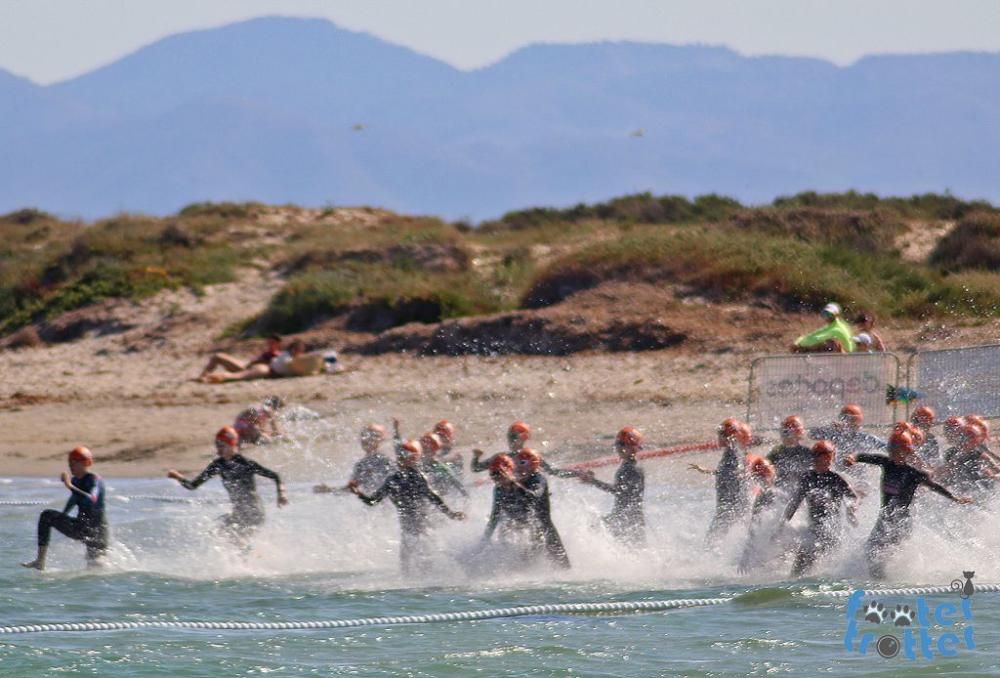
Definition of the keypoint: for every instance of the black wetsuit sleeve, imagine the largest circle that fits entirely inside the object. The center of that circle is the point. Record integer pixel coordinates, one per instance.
(940, 489)
(558, 472)
(479, 466)
(491, 524)
(210, 471)
(70, 503)
(796, 500)
(434, 497)
(607, 487)
(874, 459)
(264, 472)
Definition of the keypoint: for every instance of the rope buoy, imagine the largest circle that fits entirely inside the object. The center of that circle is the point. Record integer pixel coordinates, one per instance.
(628, 607)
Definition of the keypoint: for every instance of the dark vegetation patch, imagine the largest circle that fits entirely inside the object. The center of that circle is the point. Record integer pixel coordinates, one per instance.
(973, 244)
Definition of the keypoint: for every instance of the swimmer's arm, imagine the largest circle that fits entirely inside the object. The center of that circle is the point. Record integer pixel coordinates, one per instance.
(599, 484)
(453, 480)
(435, 498)
(268, 473)
(944, 492)
(491, 524)
(874, 459)
(210, 470)
(478, 466)
(796, 501)
(558, 472)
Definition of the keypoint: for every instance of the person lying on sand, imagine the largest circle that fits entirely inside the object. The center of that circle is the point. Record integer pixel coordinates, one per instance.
(276, 367)
(231, 364)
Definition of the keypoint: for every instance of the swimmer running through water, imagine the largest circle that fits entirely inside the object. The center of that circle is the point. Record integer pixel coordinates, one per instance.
(791, 458)
(626, 521)
(372, 469)
(535, 491)
(86, 493)
(408, 490)
(824, 492)
(237, 473)
(899, 484)
(731, 486)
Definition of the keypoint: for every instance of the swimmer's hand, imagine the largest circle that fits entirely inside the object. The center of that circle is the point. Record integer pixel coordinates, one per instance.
(852, 517)
(456, 515)
(585, 476)
(175, 474)
(700, 469)
(323, 488)
(282, 499)
(850, 460)
(352, 487)
(67, 480)
(476, 454)
(964, 500)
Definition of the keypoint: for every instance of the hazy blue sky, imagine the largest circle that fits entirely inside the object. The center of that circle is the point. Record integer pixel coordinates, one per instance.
(49, 40)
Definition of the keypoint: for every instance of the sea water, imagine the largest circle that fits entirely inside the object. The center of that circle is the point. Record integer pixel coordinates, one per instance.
(327, 557)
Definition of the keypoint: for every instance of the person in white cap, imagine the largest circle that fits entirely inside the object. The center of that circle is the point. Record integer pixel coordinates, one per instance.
(835, 337)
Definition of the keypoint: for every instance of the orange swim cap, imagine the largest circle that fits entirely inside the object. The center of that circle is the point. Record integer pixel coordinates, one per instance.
(411, 451)
(760, 467)
(373, 433)
(824, 448)
(227, 435)
(901, 441)
(923, 416)
(629, 437)
(519, 431)
(81, 454)
(430, 442)
(446, 430)
(501, 463)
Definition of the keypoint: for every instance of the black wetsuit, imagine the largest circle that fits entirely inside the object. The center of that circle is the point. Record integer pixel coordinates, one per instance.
(824, 494)
(408, 490)
(790, 463)
(89, 526)
(371, 471)
(626, 520)
(238, 479)
(535, 492)
(968, 470)
(511, 511)
(894, 524)
(731, 493)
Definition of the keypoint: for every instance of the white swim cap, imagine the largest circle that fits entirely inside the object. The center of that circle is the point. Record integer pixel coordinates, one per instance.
(864, 339)
(831, 309)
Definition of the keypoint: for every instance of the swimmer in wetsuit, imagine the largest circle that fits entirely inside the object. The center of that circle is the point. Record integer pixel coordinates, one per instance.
(517, 437)
(408, 490)
(899, 484)
(439, 474)
(532, 488)
(626, 521)
(930, 450)
(762, 475)
(791, 458)
(732, 499)
(966, 466)
(446, 431)
(372, 469)
(824, 492)
(90, 525)
(237, 473)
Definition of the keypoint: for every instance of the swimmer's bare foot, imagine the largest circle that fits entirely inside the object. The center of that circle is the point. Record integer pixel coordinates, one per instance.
(34, 565)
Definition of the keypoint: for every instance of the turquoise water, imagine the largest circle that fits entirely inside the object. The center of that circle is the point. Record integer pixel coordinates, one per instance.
(330, 557)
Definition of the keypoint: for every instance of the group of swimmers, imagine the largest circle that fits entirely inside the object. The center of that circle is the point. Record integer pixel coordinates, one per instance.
(421, 474)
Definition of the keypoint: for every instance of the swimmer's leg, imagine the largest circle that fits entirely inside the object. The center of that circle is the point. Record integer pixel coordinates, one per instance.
(50, 518)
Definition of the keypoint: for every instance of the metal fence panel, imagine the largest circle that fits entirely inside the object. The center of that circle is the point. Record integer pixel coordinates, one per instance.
(957, 381)
(815, 386)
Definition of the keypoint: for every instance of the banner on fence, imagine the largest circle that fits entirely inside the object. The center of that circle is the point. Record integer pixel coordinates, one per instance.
(957, 381)
(816, 386)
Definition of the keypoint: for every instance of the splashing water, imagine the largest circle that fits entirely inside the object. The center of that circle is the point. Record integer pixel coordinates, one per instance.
(330, 557)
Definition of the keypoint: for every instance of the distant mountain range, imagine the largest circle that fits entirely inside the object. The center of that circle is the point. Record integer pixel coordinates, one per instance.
(297, 110)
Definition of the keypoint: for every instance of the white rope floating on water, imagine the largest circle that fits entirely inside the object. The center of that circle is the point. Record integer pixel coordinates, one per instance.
(120, 497)
(631, 607)
(627, 607)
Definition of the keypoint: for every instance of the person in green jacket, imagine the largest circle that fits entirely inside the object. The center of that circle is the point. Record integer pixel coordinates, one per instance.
(835, 337)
